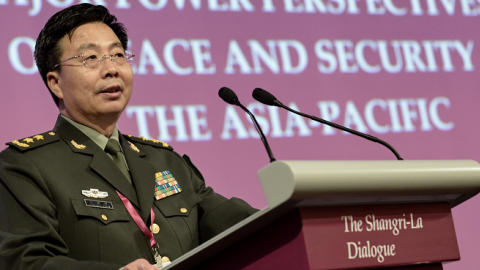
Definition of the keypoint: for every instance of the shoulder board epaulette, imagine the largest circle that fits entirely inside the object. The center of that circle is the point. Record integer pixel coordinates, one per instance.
(34, 141)
(152, 142)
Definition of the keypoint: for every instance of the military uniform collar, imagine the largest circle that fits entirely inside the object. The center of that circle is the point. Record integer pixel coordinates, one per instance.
(94, 135)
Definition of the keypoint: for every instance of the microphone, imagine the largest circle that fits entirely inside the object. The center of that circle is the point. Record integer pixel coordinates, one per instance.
(268, 99)
(230, 97)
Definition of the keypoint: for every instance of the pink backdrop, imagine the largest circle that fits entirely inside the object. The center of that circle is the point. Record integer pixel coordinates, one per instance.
(403, 71)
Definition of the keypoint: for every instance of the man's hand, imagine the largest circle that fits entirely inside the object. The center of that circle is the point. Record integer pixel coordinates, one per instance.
(140, 264)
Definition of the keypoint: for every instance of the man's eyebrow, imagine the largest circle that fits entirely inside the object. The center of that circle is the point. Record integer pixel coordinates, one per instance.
(95, 46)
(87, 46)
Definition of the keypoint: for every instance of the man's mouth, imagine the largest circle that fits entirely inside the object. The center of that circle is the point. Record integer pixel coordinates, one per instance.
(113, 89)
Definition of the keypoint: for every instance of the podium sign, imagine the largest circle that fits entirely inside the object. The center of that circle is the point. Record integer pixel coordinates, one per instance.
(341, 237)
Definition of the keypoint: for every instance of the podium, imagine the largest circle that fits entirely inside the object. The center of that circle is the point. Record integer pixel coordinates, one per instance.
(346, 215)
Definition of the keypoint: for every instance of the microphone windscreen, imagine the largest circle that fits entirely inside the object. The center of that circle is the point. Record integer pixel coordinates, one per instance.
(228, 95)
(264, 97)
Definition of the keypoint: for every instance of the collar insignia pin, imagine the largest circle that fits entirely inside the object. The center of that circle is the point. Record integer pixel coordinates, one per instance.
(78, 146)
(134, 147)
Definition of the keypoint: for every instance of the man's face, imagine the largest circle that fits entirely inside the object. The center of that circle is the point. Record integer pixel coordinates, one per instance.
(89, 94)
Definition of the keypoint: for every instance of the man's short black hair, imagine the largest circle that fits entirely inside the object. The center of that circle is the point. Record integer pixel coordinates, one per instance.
(48, 49)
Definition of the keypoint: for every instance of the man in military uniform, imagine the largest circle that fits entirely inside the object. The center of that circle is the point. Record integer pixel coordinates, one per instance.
(85, 196)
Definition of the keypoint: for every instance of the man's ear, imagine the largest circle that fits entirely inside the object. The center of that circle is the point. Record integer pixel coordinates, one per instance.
(53, 80)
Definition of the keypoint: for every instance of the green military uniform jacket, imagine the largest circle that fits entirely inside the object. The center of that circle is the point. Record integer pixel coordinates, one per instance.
(46, 224)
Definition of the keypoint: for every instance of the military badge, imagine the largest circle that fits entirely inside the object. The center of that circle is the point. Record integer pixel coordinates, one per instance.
(28, 140)
(157, 141)
(38, 137)
(134, 148)
(78, 146)
(33, 142)
(20, 144)
(165, 185)
(94, 193)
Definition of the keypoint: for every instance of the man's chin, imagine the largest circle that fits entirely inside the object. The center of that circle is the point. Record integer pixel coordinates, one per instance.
(111, 111)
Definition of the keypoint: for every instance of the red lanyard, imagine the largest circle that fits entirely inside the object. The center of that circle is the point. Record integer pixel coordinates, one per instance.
(138, 220)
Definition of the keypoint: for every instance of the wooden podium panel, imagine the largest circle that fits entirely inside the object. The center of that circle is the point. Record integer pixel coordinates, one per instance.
(332, 215)
(320, 238)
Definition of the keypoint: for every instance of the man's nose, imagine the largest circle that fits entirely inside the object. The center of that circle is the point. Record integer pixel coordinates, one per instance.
(109, 66)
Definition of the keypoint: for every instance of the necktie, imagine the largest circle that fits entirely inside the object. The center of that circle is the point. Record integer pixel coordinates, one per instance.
(113, 148)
